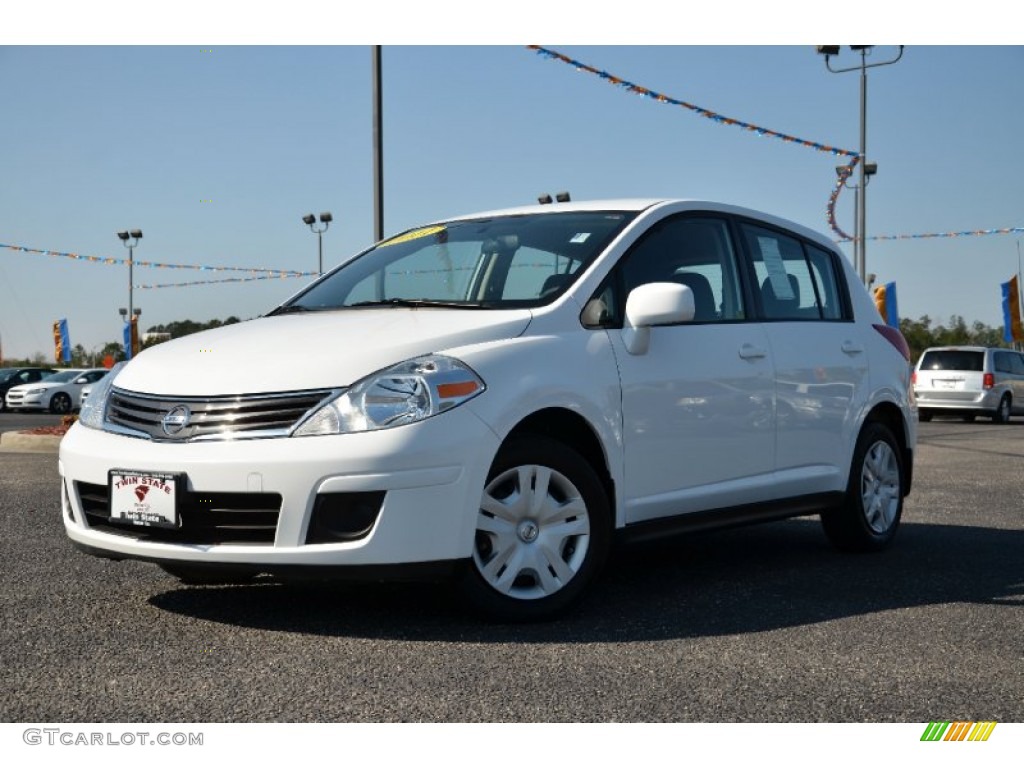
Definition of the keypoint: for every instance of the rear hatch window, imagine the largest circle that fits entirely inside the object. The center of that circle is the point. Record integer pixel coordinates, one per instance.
(953, 360)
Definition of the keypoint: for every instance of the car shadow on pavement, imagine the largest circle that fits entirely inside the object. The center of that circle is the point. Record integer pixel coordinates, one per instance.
(723, 583)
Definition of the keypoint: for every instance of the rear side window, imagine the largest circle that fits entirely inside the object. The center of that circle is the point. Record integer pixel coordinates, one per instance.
(953, 360)
(1003, 363)
(1017, 364)
(794, 283)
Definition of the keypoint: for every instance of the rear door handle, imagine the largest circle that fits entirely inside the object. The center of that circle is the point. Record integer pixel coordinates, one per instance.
(750, 352)
(852, 349)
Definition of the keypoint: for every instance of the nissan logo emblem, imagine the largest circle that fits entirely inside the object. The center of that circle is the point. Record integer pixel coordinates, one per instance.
(176, 420)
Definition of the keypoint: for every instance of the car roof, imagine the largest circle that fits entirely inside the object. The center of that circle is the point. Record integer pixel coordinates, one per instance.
(641, 204)
(961, 348)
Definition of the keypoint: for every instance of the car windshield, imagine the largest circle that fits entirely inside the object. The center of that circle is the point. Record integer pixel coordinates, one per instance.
(6, 373)
(495, 263)
(61, 376)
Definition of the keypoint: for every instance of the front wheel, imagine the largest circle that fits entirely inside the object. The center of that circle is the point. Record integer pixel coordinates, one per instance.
(543, 532)
(870, 513)
(60, 403)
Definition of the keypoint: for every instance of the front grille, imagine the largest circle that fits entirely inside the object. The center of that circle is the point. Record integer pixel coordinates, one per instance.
(211, 418)
(204, 518)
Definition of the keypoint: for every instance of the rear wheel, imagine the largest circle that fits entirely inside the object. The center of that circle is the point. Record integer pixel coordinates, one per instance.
(1002, 414)
(870, 514)
(542, 532)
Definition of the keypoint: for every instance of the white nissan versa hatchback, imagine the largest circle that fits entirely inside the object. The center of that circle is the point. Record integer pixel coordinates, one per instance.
(500, 397)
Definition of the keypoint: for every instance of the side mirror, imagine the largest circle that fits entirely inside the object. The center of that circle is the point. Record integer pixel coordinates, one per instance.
(654, 304)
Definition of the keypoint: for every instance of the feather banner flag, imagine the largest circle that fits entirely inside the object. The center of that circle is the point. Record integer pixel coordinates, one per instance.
(885, 300)
(61, 341)
(131, 338)
(1013, 328)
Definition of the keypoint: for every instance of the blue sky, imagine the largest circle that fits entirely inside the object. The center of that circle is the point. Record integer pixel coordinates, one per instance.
(100, 138)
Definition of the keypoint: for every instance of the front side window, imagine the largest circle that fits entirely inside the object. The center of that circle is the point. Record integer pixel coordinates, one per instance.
(501, 262)
(693, 251)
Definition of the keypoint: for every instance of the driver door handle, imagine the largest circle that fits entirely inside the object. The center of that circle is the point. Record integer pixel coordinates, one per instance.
(750, 352)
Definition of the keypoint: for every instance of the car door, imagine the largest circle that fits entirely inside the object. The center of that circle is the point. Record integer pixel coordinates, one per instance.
(1017, 369)
(698, 421)
(821, 361)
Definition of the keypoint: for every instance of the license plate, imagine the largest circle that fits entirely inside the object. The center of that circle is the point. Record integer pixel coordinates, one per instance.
(945, 383)
(145, 498)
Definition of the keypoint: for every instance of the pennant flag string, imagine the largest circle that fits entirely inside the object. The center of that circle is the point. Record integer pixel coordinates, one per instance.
(964, 233)
(844, 173)
(224, 280)
(723, 120)
(110, 261)
(706, 113)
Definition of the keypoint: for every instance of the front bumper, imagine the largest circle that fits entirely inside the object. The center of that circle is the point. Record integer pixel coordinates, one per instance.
(430, 476)
(19, 400)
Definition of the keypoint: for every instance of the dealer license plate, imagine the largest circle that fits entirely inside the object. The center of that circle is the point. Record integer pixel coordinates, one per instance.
(144, 498)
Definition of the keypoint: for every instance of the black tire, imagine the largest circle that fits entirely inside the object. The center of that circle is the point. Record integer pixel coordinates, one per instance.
(1002, 414)
(555, 552)
(192, 573)
(869, 516)
(923, 415)
(60, 403)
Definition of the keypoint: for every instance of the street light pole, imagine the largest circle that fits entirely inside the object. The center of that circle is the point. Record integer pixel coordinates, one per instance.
(129, 239)
(378, 145)
(862, 193)
(867, 171)
(325, 219)
(860, 234)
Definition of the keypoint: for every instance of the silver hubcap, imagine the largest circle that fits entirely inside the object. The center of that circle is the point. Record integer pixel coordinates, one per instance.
(532, 532)
(880, 487)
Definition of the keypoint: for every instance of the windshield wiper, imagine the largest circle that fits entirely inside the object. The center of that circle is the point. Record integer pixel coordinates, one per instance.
(289, 309)
(419, 303)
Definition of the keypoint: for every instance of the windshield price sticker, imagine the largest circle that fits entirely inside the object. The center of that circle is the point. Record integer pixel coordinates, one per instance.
(144, 498)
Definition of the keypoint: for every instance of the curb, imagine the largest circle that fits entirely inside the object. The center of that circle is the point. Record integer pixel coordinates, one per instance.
(22, 441)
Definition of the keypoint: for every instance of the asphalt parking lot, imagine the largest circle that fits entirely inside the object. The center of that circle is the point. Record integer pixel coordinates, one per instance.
(765, 624)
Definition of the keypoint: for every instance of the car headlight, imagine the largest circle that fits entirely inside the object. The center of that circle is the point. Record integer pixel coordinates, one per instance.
(402, 394)
(95, 405)
(35, 391)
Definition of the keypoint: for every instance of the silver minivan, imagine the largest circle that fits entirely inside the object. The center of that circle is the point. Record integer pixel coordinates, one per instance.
(969, 382)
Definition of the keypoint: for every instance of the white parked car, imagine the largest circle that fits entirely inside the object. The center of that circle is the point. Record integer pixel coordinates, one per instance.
(88, 388)
(60, 392)
(500, 397)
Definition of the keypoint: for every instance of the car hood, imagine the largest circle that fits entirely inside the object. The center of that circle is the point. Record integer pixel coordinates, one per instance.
(311, 350)
(39, 385)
